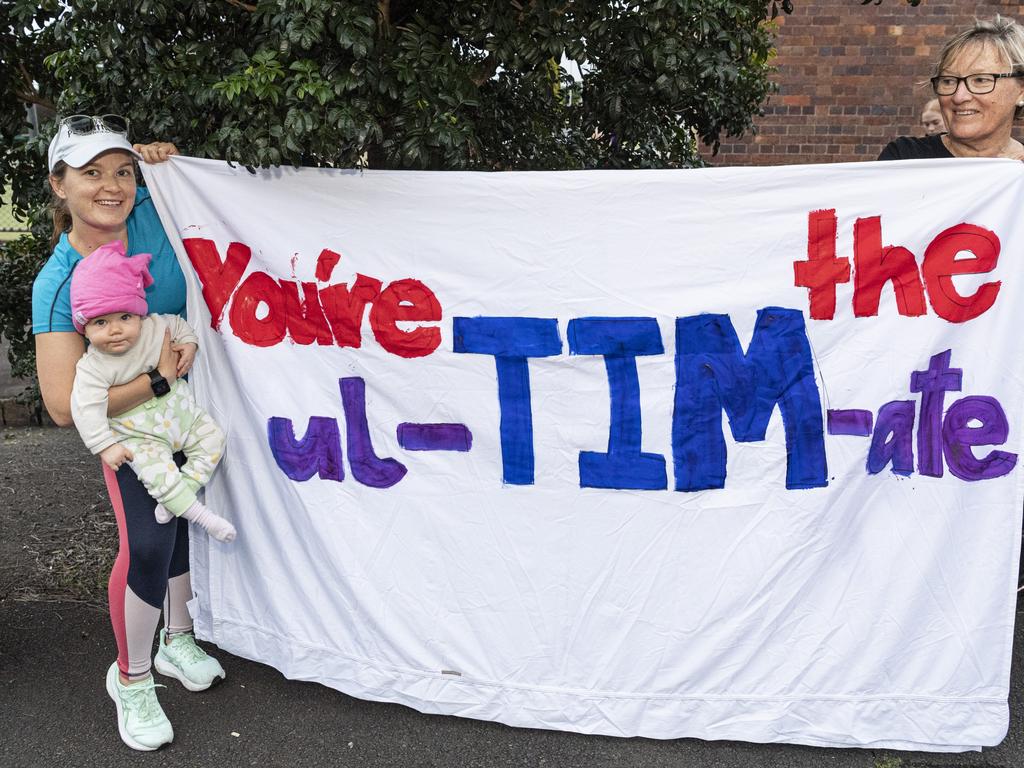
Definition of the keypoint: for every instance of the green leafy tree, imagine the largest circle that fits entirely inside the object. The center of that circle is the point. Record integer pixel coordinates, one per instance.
(20, 260)
(395, 83)
(26, 38)
(435, 84)
(518, 84)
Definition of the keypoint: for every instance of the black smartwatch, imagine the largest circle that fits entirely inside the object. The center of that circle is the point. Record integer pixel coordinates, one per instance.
(158, 383)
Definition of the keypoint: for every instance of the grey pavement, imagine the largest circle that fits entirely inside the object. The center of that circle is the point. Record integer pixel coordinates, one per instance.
(55, 712)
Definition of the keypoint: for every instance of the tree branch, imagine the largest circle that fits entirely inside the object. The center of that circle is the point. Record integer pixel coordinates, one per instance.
(29, 94)
(35, 98)
(384, 9)
(487, 69)
(244, 6)
(26, 77)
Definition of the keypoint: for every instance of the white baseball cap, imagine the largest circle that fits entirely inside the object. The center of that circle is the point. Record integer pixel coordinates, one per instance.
(80, 138)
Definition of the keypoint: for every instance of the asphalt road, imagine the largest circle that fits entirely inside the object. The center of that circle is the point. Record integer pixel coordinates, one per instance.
(54, 711)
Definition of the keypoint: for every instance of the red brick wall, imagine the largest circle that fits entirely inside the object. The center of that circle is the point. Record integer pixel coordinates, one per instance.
(849, 78)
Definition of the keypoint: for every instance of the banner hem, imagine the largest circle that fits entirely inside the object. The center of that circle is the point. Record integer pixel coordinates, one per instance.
(768, 719)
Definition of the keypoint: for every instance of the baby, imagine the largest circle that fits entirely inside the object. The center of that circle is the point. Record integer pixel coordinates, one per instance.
(108, 306)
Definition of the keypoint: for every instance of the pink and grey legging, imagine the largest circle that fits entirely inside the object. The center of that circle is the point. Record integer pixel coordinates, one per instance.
(150, 572)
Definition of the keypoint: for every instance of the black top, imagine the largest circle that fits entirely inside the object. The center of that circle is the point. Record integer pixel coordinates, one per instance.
(913, 148)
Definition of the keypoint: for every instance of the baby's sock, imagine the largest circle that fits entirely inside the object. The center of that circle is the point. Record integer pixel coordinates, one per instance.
(214, 524)
(162, 515)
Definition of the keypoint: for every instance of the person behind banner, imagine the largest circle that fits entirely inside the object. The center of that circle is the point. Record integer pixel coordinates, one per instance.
(979, 82)
(108, 306)
(931, 118)
(92, 175)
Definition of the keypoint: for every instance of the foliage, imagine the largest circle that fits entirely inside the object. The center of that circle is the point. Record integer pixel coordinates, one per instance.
(445, 84)
(394, 83)
(410, 84)
(20, 260)
(26, 38)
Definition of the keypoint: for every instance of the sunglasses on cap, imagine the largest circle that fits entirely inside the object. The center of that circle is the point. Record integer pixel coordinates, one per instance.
(83, 125)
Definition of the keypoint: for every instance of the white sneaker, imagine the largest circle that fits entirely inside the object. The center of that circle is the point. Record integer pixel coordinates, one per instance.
(140, 719)
(186, 662)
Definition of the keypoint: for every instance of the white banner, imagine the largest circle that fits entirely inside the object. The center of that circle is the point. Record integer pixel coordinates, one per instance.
(721, 453)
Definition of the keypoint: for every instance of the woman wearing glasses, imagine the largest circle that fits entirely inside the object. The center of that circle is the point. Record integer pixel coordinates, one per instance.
(95, 202)
(979, 81)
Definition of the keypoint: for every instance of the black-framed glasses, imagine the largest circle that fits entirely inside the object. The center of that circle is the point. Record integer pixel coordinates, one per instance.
(83, 125)
(980, 83)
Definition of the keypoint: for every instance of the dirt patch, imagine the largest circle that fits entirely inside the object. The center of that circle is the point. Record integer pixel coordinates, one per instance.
(59, 533)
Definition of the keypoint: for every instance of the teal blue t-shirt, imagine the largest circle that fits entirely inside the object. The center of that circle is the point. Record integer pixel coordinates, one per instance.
(51, 291)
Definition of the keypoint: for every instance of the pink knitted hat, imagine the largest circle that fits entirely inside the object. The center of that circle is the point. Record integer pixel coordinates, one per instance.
(109, 281)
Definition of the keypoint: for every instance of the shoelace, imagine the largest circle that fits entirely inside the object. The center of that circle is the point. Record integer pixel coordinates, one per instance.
(186, 646)
(141, 698)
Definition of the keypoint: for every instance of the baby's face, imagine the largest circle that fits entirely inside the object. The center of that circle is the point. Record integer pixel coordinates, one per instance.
(114, 333)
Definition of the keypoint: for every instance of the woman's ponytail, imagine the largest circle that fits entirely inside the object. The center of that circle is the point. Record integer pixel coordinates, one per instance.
(59, 209)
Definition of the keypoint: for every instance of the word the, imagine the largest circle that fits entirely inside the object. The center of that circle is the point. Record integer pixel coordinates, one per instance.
(264, 310)
(875, 265)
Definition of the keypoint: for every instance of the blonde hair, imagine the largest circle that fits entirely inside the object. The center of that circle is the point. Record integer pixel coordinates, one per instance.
(59, 207)
(1001, 32)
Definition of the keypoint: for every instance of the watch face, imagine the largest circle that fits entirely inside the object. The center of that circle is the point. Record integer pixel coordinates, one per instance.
(158, 384)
